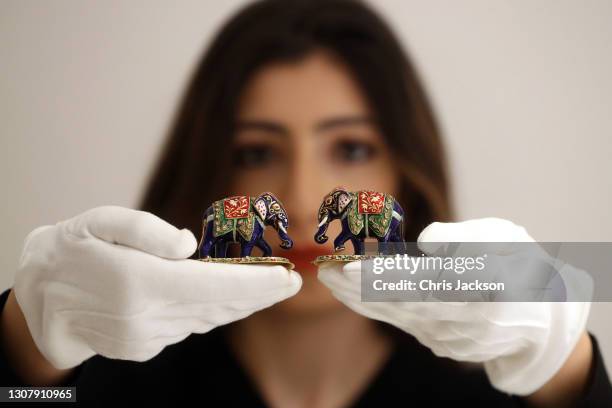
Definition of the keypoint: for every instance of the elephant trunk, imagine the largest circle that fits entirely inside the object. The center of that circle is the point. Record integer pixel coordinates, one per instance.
(287, 242)
(320, 236)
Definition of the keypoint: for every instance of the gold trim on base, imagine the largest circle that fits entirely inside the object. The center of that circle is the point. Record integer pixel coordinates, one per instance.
(342, 258)
(266, 260)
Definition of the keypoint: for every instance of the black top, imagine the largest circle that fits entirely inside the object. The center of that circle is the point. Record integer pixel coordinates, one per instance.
(203, 368)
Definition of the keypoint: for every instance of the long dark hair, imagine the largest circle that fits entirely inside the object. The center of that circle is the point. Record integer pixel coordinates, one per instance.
(195, 164)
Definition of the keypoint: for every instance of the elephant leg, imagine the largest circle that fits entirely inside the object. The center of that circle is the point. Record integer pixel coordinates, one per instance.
(359, 245)
(398, 231)
(341, 239)
(208, 242)
(381, 242)
(393, 240)
(264, 246)
(246, 248)
(206, 247)
(396, 234)
(221, 248)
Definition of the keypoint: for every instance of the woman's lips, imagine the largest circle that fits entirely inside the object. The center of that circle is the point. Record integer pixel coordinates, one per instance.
(302, 257)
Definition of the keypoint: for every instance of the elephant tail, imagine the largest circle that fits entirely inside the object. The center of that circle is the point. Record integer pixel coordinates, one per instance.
(402, 227)
(207, 213)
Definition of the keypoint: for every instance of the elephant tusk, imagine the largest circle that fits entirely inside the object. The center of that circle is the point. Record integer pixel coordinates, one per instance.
(282, 227)
(323, 221)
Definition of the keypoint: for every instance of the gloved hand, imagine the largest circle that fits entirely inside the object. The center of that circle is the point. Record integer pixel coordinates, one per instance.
(522, 344)
(115, 281)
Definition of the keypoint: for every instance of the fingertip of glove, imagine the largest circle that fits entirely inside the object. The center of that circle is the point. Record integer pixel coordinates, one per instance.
(189, 241)
(489, 229)
(296, 280)
(352, 267)
(429, 232)
(183, 246)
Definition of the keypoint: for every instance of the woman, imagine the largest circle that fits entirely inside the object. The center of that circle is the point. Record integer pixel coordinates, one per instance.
(293, 97)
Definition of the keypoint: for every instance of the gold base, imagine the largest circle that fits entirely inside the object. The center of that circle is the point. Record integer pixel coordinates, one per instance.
(266, 260)
(342, 258)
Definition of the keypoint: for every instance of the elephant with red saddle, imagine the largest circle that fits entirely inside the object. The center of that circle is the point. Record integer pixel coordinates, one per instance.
(243, 220)
(362, 214)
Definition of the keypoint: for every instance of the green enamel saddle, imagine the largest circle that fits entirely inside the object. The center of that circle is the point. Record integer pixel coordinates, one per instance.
(371, 210)
(235, 214)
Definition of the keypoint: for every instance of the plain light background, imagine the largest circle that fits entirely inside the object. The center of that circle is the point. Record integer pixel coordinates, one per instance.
(522, 89)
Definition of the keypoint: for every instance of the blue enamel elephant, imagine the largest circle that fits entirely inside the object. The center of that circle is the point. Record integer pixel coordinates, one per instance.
(362, 214)
(243, 220)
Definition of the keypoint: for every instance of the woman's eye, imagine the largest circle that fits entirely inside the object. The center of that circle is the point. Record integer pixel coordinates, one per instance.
(252, 156)
(354, 151)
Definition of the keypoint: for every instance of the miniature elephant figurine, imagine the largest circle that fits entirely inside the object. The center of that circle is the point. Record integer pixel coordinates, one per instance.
(243, 219)
(363, 214)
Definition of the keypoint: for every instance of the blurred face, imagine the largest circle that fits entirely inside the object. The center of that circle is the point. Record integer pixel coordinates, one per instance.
(304, 128)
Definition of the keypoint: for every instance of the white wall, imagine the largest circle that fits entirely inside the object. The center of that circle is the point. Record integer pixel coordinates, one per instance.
(522, 89)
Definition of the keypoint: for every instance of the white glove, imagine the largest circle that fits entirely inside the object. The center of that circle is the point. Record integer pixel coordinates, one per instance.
(522, 344)
(115, 281)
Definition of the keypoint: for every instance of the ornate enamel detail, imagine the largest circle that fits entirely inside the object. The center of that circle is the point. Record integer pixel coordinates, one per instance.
(370, 202)
(234, 213)
(236, 207)
(343, 201)
(260, 207)
(243, 220)
(343, 258)
(376, 208)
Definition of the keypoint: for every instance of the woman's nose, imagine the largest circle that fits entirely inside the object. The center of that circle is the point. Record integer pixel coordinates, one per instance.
(305, 188)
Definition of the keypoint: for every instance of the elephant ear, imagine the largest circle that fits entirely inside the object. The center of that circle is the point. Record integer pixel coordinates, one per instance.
(344, 199)
(261, 208)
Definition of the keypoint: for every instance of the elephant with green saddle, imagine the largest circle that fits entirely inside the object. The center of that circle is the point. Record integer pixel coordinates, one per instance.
(243, 220)
(362, 214)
